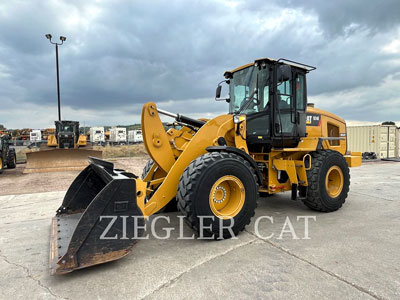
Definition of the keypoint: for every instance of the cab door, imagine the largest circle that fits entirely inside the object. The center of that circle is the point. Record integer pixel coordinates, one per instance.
(301, 103)
(289, 106)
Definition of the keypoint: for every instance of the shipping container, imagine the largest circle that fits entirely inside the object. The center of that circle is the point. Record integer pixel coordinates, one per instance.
(118, 135)
(97, 135)
(135, 136)
(380, 139)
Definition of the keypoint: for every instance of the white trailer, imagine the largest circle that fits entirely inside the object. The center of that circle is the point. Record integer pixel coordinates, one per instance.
(118, 135)
(35, 135)
(135, 136)
(97, 135)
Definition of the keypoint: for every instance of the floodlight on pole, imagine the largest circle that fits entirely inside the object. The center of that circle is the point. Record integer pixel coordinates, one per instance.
(62, 38)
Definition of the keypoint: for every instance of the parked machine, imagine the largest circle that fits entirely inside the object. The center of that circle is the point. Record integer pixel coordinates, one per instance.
(35, 136)
(271, 141)
(8, 157)
(67, 136)
(97, 135)
(118, 135)
(67, 154)
(135, 136)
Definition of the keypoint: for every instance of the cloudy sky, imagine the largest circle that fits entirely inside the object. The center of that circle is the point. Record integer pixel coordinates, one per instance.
(121, 54)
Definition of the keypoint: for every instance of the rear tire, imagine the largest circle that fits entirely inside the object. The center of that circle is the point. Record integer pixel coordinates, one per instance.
(11, 159)
(208, 182)
(328, 181)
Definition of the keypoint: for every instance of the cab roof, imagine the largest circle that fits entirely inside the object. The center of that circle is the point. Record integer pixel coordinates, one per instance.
(305, 67)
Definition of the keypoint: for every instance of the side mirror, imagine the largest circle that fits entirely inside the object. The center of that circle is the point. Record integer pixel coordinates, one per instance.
(218, 92)
(284, 73)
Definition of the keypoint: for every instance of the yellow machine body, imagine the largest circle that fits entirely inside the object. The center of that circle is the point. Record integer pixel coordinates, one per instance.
(183, 160)
(52, 141)
(174, 150)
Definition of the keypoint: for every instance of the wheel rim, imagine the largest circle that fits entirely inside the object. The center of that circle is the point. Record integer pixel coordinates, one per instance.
(227, 197)
(1, 163)
(334, 181)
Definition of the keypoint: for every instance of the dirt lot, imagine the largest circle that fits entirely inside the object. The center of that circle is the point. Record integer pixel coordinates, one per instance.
(132, 150)
(13, 181)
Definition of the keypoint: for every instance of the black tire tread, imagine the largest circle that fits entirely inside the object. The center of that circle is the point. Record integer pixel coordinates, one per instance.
(313, 200)
(11, 159)
(147, 168)
(190, 179)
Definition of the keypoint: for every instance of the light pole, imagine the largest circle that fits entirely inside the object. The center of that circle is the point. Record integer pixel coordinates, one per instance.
(62, 39)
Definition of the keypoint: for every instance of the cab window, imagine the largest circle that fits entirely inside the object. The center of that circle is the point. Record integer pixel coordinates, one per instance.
(300, 91)
(284, 94)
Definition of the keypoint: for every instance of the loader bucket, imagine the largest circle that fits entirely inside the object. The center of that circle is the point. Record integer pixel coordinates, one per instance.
(89, 227)
(56, 160)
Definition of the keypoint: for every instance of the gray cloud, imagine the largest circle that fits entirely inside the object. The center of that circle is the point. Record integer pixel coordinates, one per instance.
(120, 55)
(335, 17)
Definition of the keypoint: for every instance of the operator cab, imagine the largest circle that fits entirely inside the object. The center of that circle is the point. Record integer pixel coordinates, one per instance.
(67, 133)
(273, 96)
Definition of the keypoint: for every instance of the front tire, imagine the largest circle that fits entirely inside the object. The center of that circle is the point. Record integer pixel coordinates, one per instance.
(147, 168)
(217, 189)
(11, 159)
(328, 181)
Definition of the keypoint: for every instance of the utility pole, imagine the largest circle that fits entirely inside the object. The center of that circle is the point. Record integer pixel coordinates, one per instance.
(62, 39)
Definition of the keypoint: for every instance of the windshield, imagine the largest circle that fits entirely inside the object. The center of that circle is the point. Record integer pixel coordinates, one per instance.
(249, 90)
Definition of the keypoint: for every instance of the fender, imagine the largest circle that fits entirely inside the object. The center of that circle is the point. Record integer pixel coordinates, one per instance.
(241, 153)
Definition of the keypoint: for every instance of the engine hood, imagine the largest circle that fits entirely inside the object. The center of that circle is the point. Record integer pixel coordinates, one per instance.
(314, 110)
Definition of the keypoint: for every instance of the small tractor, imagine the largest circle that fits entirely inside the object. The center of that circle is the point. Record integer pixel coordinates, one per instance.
(270, 141)
(7, 155)
(67, 136)
(62, 152)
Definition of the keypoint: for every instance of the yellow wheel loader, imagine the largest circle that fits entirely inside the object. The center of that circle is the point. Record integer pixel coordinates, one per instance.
(67, 154)
(271, 141)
